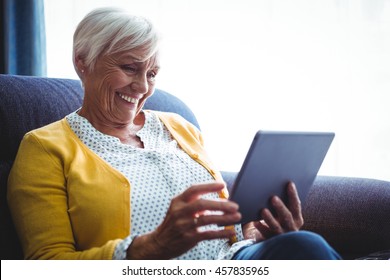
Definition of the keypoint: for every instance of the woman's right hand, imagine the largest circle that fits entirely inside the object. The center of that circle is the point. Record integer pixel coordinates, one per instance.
(179, 231)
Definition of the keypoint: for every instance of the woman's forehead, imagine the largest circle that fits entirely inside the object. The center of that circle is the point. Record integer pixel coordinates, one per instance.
(139, 56)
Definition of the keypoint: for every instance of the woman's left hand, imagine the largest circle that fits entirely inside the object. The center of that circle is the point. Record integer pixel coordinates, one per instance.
(287, 217)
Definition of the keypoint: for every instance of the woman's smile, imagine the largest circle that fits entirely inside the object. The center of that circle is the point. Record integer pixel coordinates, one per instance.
(128, 98)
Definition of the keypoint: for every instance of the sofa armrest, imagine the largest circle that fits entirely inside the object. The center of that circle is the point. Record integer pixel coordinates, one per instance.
(10, 246)
(352, 214)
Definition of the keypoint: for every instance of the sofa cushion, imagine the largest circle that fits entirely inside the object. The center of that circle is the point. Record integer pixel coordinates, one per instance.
(30, 102)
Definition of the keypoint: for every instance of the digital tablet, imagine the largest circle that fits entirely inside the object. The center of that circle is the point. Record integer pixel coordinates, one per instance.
(274, 159)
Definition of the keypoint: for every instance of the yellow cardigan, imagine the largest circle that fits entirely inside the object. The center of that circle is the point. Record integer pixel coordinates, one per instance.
(67, 203)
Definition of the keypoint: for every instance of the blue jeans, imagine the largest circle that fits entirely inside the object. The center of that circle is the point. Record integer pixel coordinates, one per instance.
(295, 245)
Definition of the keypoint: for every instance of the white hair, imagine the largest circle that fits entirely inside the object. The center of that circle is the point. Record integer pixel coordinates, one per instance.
(106, 31)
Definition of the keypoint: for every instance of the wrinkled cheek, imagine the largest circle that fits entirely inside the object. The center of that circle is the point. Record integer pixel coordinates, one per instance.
(107, 94)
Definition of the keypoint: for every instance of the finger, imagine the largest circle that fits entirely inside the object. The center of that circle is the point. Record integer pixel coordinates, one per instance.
(195, 191)
(227, 219)
(294, 202)
(263, 228)
(215, 234)
(283, 214)
(271, 221)
(204, 205)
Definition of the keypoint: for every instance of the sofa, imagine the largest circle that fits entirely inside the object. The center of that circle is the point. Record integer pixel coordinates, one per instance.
(352, 214)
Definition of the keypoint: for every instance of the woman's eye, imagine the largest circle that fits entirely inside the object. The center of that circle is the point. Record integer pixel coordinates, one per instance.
(129, 68)
(152, 76)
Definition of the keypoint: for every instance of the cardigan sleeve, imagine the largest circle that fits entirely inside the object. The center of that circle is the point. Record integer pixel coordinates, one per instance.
(37, 197)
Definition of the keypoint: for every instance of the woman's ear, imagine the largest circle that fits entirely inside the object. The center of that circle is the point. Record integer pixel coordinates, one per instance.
(81, 67)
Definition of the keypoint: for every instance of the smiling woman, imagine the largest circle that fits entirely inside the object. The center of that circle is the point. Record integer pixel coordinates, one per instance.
(121, 182)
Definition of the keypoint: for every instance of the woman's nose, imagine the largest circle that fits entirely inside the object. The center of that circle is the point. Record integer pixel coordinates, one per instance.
(140, 84)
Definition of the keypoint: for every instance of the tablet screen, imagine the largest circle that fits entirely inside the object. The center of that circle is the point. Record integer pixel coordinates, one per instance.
(273, 160)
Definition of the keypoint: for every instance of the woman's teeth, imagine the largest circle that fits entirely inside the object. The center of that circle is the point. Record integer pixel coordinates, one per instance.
(128, 98)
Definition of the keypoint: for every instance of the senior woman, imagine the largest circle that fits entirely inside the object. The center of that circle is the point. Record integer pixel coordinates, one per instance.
(114, 181)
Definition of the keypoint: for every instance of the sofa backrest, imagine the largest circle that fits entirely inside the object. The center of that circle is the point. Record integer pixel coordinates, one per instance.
(27, 103)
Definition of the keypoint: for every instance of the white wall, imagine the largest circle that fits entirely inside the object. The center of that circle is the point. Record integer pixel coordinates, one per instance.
(271, 64)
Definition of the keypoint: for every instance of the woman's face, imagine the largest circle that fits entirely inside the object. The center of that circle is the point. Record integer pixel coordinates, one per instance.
(118, 86)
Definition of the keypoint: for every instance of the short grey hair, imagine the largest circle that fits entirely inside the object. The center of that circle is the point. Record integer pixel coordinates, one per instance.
(106, 31)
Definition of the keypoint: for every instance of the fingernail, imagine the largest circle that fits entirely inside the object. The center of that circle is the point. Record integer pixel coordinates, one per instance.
(275, 200)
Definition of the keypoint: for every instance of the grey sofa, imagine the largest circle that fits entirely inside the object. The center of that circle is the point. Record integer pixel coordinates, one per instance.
(352, 214)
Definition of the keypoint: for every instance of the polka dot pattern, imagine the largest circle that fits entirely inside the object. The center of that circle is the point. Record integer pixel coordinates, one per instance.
(157, 173)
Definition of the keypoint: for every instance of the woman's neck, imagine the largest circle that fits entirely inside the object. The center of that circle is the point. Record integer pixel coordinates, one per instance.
(124, 131)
